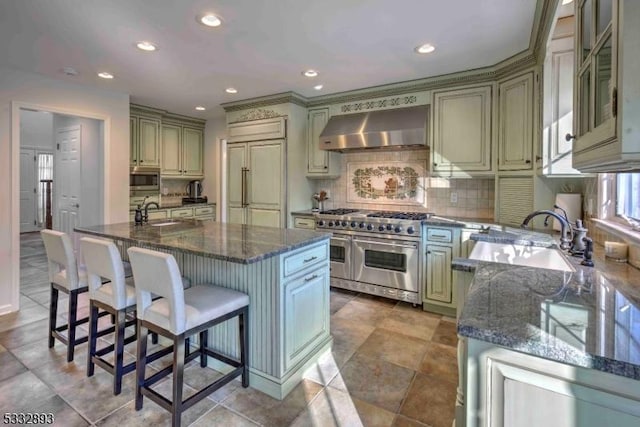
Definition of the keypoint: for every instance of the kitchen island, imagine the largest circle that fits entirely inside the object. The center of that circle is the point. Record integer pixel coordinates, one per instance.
(285, 272)
(548, 347)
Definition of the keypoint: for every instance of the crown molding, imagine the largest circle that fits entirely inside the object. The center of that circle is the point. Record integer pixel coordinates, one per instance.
(527, 59)
(166, 115)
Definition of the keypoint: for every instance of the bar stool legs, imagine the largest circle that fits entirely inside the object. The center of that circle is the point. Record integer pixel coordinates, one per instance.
(72, 322)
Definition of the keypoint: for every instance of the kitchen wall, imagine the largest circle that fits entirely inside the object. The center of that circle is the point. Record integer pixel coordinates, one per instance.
(37, 91)
(475, 197)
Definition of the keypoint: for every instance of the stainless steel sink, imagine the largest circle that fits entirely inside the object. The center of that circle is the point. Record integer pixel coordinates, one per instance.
(530, 256)
(164, 224)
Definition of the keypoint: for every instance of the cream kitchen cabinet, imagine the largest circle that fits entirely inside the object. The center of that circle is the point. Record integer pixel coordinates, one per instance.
(462, 123)
(182, 151)
(145, 141)
(442, 244)
(515, 123)
(304, 221)
(320, 163)
(255, 183)
(607, 102)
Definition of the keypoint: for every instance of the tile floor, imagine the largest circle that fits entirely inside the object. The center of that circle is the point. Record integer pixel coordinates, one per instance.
(391, 365)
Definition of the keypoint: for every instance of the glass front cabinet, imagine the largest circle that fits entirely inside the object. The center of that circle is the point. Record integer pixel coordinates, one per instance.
(607, 88)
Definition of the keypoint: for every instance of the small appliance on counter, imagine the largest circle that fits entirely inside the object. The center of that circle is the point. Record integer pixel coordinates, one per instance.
(194, 193)
(318, 201)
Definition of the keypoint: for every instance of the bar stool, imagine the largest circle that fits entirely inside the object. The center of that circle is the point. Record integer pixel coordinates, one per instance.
(179, 314)
(64, 276)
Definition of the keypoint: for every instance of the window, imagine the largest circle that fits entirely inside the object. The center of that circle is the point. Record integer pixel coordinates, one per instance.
(628, 195)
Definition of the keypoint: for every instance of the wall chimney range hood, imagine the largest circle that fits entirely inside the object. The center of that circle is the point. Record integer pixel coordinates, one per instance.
(396, 129)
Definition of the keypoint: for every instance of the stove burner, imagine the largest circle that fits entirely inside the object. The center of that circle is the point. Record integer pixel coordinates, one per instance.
(341, 211)
(414, 216)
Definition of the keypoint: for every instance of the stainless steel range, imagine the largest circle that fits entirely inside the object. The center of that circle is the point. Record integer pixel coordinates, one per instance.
(376, 252)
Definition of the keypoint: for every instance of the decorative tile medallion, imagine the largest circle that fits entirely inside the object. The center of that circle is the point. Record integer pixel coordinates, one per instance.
(398, 183)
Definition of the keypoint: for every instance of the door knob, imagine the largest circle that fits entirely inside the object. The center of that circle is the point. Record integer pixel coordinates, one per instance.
(77, 205)
(568, 137)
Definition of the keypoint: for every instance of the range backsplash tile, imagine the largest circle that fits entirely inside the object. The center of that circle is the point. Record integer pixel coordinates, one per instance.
(475, 197)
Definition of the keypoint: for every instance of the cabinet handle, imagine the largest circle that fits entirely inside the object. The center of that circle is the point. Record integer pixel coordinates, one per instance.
(310, 259)
(435, 164)
(440, 236)
(568, 137)
(326, 167)
(428, 252)
(308, 279)
(141, 161)
(614, 102)
(538, 158)
(527, 161)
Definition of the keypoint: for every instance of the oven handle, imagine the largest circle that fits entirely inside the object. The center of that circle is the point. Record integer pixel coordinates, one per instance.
(397, 244)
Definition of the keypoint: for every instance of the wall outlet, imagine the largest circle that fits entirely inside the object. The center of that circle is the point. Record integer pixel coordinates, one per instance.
(454, 198)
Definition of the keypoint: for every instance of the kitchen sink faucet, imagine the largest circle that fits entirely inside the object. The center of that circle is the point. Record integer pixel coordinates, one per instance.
(145, 217)
(565, 226)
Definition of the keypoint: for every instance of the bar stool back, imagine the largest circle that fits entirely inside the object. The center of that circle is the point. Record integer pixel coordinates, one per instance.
(111, 292)
(179, 314)
(64, 276)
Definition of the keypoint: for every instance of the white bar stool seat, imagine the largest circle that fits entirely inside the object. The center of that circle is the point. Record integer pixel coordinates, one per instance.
(179, 314)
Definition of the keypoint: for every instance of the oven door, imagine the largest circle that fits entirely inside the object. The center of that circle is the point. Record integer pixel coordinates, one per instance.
(340, 256)
(390, 263)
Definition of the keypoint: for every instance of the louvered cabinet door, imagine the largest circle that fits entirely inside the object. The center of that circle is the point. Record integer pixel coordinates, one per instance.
(514, 199)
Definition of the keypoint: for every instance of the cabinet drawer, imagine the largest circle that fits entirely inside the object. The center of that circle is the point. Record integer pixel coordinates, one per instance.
(181, 213)
(439, 235)
(300, 222)
(299, 261)
(208, 210)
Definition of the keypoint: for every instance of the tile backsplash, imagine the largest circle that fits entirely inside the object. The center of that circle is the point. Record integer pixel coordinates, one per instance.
(470, 198)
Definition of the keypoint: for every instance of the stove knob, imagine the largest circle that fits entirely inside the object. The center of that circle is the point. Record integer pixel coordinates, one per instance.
(361, 225)
(410, 230)
(320, 223)
(353, 224)
(330, 224)
(369, 227)
(344, 223)
(398, 229)
(381, 228)
(389, 227)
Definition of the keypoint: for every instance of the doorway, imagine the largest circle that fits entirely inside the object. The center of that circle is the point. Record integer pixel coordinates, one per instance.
(61, 157)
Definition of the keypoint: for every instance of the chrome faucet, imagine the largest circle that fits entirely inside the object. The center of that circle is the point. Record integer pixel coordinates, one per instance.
(565, 226)
(145, 217)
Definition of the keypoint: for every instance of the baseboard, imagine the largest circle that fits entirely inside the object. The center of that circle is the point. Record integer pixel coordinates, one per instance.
(7, 308)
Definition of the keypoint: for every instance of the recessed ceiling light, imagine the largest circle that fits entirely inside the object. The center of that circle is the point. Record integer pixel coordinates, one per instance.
(231, 90)
(425, 48)
(70, 71)
(146, 46)
(310, 73)
(200, 108)
(210, 20)
(105, 75)
(317, 87)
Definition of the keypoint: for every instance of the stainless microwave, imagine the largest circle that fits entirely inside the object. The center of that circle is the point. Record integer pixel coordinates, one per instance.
(147, 179)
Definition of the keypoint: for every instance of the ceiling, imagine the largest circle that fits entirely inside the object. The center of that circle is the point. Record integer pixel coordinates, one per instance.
(262, 46)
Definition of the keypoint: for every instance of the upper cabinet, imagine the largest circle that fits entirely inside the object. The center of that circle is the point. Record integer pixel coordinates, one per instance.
(145, 141)
(182, 151)
(462, 132)
(515, 123)
(320, 163)
(607, 88)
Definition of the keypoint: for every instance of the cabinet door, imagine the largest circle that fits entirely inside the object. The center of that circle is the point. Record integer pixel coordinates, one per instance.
(171, 150)
(133, 141)
(439, 273)
(306, 309)
(236, 161)
(515, 128)
(318, 160)
(192, 152)
(265, 175)
(462, 131)
(149, 142)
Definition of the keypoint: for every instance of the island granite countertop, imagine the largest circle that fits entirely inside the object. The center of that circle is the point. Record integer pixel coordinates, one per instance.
(588, 318)
(244, 244)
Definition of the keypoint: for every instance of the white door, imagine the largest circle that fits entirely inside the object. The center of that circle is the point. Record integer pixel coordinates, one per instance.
(28, 191)
(68, 179)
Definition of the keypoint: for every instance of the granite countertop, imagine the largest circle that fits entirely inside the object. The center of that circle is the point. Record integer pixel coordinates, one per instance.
(449, 221)
(244, 244)
(588, 318)
(175, 205)
(307, 212)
